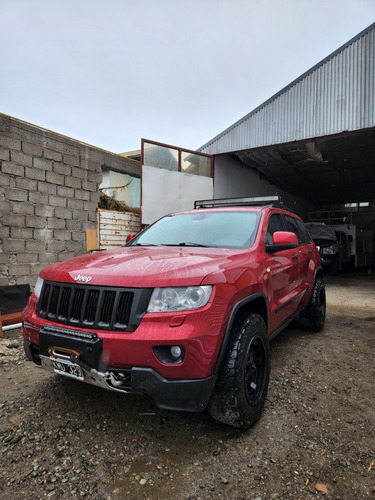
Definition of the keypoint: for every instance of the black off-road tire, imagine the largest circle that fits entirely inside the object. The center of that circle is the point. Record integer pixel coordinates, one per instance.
(314, 316)
(242, 384)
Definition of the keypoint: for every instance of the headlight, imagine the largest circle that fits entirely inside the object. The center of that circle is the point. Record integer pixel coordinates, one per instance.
(328, 251)
(38, 287)
(179, 298)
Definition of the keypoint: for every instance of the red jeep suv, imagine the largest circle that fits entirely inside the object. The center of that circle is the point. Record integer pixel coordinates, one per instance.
(184, 312)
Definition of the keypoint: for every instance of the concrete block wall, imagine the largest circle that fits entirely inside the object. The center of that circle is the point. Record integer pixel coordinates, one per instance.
(49, 193)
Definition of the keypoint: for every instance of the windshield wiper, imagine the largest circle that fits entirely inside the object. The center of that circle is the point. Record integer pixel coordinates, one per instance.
(191, 244)
(144, 245)
(184, 244)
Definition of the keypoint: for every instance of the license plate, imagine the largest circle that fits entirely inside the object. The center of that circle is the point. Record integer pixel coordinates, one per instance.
(67, 368)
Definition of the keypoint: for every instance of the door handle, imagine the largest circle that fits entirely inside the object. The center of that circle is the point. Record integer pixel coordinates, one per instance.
(309, 250)
(295, 256)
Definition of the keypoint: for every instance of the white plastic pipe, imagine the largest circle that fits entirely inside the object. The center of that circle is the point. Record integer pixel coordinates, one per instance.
(11, 327)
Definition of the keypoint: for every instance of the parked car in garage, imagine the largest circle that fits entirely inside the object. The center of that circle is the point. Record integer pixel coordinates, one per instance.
(333, 246)
(344, 240)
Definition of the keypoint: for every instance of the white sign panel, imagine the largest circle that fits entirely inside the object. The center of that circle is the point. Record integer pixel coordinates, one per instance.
(165, 191)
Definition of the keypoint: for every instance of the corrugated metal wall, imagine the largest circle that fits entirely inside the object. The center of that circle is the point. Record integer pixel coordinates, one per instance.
(335, 95)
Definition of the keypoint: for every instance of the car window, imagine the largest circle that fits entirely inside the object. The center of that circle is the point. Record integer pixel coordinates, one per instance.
(296, 226)
(274, 224)
(208, 229)
(304, 236)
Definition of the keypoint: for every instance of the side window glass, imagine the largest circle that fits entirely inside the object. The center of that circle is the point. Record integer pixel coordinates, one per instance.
(305, 237)
(295, 226)
(290, 223)
(274, 224)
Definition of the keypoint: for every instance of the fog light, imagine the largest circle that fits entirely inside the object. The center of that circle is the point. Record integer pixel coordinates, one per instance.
(176, 351)
(170, 354)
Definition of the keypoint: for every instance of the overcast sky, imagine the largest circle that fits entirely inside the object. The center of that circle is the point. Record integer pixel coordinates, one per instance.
(109, 72)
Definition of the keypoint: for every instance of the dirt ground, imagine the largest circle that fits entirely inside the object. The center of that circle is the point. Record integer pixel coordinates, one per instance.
(63, 439)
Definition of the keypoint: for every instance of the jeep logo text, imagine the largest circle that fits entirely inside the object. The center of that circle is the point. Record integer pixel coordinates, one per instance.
(85, 279)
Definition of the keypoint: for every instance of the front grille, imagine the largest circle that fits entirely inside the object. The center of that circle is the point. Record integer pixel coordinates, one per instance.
(93, 307)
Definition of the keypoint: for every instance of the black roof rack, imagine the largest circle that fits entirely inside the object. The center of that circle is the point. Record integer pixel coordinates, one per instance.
(250, 201)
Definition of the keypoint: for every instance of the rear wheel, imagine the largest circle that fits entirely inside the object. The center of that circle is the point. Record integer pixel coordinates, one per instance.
(314, 316)
(242, 384)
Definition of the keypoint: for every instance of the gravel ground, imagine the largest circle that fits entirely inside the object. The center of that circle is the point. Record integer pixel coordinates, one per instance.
(63, 439)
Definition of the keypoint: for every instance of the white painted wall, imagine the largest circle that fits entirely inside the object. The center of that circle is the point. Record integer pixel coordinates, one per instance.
(165, 191)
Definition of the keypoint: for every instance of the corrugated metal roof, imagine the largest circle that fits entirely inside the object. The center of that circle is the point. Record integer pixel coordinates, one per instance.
(335, 95)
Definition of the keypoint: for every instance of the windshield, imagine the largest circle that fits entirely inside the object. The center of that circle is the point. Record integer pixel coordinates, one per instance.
(321, 232)
(206, 229)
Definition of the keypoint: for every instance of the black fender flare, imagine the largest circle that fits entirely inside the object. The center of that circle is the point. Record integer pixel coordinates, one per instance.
(234, 311)
(318, 272)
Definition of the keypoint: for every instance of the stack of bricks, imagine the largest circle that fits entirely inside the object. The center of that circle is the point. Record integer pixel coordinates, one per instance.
(49, 193)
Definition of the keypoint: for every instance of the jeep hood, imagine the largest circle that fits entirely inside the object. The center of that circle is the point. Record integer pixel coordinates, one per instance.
(145, 266)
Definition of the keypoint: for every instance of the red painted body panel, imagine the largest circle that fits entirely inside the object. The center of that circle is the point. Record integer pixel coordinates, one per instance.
(146, 266)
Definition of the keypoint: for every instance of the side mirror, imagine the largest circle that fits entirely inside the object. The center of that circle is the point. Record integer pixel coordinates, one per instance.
(130, 237)
(282, 240)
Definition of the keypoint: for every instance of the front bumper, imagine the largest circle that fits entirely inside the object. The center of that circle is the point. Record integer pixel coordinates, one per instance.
(179, 395)
(199, 333)
(327, 261)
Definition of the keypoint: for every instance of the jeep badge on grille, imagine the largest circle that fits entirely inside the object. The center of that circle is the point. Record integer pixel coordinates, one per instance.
(85, 279)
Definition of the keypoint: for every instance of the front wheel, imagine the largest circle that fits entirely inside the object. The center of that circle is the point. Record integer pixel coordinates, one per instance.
(242, 384)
